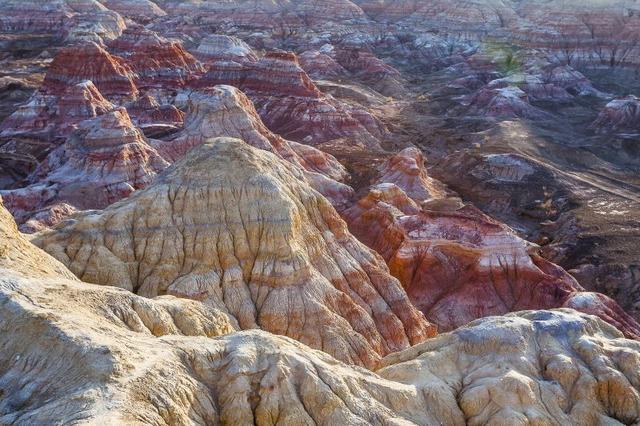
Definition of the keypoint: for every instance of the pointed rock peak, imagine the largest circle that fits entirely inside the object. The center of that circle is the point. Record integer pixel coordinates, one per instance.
(407, 170)
(234, 227)
(147, 102)
(226, 111)
(89, 61)
(158, 62)
(83, 100)
(288, 71)
(104, 160)
(387, 193)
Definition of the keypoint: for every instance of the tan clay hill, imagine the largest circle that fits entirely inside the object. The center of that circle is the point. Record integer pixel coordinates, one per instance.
(124, 359)
(242, 231)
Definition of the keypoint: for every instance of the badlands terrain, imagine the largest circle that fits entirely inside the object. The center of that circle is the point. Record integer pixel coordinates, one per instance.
(339, 212)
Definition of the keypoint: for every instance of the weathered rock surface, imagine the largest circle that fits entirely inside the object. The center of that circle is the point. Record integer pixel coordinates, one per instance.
(18, 255)
(235, 228)
(71, 20)
(93, 24)
(152, 117)
(32, 16)
(551, 366)
(267, 13)
(139, 10)
(457, 264)
(225, 111)
(406, 170)
(49, 117)
(219, 47)
(156, 61)
(318, 64)
(105, 160)
(88, 61)
(505, 102)
(290, 103)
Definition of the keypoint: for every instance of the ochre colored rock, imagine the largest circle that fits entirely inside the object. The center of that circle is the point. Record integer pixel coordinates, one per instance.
(19, 256)
(235, 228)
(556, 367)
(407, 171)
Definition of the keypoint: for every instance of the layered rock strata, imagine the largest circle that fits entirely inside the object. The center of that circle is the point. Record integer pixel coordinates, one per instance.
(89, 61)
(103, 161)
(237, 229)
(290, 103)
(226, 111)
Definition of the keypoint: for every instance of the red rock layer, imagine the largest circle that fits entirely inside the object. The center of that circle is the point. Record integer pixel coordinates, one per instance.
(32, 16)
(53, 117)
(88, 61)
(156, 61)
(276, 73)
(103, 161)
(457, 264)
(320, 65)
(291, 105)
(365, 63)
(152, 117)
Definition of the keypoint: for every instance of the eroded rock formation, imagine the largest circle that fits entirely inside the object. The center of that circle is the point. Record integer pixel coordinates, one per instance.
(235, 228)
(218, 47)
(226, 111)
(622, 115)
(455, 262)
(89, 61)
(157, 62)
(290, 103)
(407, 171)
(46, 116)
(585, 372)
(103, 161)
